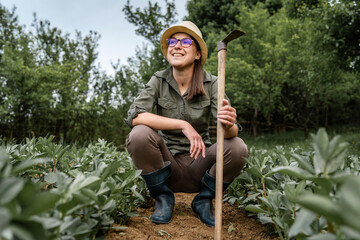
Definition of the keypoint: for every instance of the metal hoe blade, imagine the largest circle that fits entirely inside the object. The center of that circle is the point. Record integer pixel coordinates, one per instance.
(231, 36)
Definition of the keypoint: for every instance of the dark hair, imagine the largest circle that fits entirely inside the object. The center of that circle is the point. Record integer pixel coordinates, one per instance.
(197, 82)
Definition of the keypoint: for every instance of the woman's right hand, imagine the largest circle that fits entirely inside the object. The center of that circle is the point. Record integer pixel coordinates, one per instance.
(197, 145)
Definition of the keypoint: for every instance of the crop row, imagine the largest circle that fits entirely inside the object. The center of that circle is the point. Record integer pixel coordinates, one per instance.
(312, 194)
(51, 191)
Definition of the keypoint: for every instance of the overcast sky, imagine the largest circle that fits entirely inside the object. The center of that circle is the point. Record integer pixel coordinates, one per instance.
(118, 39)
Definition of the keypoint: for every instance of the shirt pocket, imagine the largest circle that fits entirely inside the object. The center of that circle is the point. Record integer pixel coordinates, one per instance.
(167, 108)
(198, 114)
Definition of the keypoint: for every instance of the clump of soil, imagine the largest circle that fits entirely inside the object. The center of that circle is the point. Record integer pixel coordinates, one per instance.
(185, 225)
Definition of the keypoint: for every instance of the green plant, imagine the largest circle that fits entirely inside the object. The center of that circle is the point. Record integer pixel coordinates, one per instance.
(302, 193)
(50, 191)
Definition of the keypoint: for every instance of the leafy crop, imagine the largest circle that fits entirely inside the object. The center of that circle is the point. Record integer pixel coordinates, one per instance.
(50, 191)
(311, 194)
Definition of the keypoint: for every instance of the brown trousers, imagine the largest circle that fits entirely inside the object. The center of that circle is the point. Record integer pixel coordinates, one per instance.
(148, 152)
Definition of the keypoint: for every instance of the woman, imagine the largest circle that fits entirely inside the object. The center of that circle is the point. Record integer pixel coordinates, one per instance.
(172, 147)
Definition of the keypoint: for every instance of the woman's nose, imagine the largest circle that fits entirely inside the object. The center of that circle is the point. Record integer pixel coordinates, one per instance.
(178, 44)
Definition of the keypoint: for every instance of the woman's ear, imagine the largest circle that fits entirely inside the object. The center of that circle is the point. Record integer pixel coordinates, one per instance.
(198, 55)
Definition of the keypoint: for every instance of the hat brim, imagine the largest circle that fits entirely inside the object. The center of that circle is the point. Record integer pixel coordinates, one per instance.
(183, 29)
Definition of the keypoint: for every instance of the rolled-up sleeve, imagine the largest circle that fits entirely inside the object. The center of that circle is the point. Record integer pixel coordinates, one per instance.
(145, 102)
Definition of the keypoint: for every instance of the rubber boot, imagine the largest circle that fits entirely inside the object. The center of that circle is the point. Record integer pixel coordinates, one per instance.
(163, 195)
(202, 204)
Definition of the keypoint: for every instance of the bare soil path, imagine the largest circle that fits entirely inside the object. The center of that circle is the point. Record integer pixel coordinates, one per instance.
(186, 226)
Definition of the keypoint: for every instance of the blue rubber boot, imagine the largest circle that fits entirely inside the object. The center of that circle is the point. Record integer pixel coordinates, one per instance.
(163, 195)
(202, 204)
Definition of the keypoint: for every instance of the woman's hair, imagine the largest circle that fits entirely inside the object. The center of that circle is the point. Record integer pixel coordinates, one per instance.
(197, 82)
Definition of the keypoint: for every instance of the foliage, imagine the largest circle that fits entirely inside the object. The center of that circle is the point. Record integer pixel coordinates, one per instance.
(150, 22)
(285, 71)
(303, 193)
(51, 191)
(295, 68)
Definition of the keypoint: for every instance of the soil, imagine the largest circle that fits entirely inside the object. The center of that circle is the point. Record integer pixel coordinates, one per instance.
(185, 225)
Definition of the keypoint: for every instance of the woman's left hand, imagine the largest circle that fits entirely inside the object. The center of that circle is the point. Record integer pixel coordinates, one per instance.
(227, 115)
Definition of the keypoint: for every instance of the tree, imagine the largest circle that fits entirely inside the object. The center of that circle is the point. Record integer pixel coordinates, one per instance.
(45, 77)
(150, 23)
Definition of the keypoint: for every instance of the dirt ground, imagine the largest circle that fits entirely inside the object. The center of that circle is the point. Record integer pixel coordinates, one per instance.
(185, 225)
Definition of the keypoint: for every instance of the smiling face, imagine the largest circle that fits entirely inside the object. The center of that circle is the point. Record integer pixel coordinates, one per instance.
(180, 57)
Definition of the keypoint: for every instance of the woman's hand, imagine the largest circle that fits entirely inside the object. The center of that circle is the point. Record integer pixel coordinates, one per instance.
(197, 145)
(227, 115)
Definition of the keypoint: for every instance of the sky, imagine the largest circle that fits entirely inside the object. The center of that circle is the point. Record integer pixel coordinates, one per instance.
(118, 39)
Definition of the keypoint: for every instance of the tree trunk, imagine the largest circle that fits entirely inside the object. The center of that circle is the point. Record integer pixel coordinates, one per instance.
(253, 123)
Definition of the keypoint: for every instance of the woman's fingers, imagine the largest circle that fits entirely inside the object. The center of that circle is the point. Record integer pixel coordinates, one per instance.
(203, 149)
(227, 114)
(197, 148)
(197, 145)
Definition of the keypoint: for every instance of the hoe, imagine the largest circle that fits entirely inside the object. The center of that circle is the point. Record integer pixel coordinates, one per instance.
(222, 48)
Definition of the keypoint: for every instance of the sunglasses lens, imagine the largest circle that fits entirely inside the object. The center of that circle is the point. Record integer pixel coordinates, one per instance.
(172, 42)
(186, 42)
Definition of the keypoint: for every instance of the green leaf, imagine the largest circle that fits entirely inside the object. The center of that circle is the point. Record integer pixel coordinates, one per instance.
(81, 182)
(321, 205)
(251, 197)
(304, 163)
(89, 193)
(336, 159)
(302, 223)
(109, 206)
(349, 202)
(300, 187)
(3, 158)
(254, 171)
(64, 208)
(41, 202)
(47, 222)
(10, 188)
(292, 171)
(255, 209)
(110, 169)
(51, 177)
(4, 218)
(290, 192)
(82, 229)
(324, 184)
(28, 230)
(322, 236)
(70, 224)
(340, 177)
(265, 219)
(350, 233)
(28, 164)
(321, 143)
(61, 153)
(350, 194)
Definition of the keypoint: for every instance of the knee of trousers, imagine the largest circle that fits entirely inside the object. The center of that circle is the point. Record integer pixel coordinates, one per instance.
(140, 137)
(235, 152)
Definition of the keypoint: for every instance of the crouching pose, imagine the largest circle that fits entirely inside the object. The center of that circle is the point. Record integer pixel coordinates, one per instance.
(172, 147)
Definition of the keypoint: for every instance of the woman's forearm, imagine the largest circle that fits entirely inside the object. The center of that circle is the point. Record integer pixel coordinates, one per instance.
(157, 122)
(231, 132)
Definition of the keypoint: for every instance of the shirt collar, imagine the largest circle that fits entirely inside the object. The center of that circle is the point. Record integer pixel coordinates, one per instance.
(167, 75)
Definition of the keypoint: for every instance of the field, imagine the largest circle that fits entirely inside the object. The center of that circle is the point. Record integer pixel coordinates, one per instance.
(292, 186)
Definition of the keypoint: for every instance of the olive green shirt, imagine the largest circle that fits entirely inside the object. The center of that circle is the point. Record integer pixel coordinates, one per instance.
(163, 93)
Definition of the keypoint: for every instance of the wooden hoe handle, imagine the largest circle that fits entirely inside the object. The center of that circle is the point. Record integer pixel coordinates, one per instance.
(222, 47)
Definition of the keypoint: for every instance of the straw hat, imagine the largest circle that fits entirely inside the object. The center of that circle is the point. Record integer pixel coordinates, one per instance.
(189, 28)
